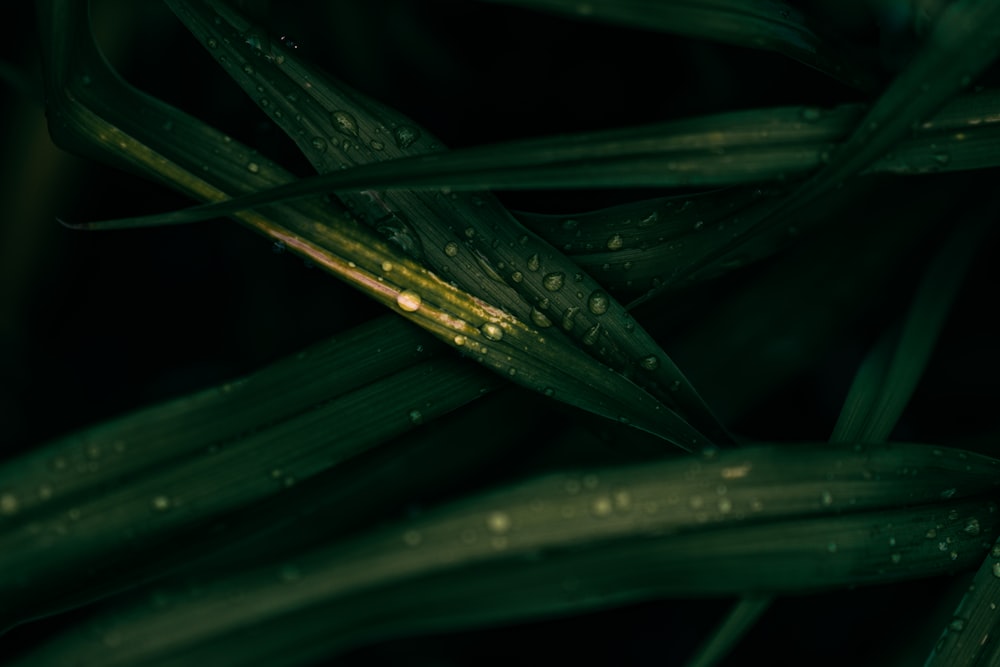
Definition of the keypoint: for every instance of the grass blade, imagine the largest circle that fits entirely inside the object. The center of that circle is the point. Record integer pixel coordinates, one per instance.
(471, 239)
(317, 231)
(614, 534)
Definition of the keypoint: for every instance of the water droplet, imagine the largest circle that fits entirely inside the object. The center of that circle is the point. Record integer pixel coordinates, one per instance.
(826, 498)
(957, 624)
(602, 506)
(408, 300)
(942, 158)
(832, 547)
(212, 43)
(540, 319)
(533, 263)
(253, 167)
(896, 558)
(160, 503)
(416, 417)
(598, 302)
(9, 504)
(498, 522)
(517, 276)
(569, 317)
(387, 266)
(451, 249)
(319, 143)
(553, 282)
(616, 242)
(404, 136)
(550, 392)
(492, 331)
(948, 493)
(650, 363)
(459, 340)
(592, 335)
(972, 526)
(377, 145)
(288, 573)
(345, 123)
(811, 114)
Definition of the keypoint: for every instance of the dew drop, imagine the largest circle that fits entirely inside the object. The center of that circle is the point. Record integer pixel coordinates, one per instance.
(826, 498)
(996, 570)
(416, 417)
(212, 43)
(569, 317)
(593, 335)
(972, 526)
(492, 331)
(540, 319)
(377, 145)
(650, 363)
(498, 522)
(553, 282)
(319, 143)
(253, 167)
(345, 123)
(533, 263)
(896, 558)
(725, 505)
(405, 135)
(616, 242)
(598, 302)
(451, 249)
(160, 503)
(602, 506)
(387, 266)
(9, 504)
(517, 276)
(459, 340)
(811, 114)
(408, 300)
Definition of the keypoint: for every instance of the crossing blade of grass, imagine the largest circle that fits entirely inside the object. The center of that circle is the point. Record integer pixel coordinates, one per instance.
(969, 639)
(471, 239)
(802, 517)
(888, 377)
(963, 42)
(94, 513)
(730, 631)
(758, 24)
(317, 231)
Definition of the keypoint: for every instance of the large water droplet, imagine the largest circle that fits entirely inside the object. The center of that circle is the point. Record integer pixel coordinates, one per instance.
(492, 331)
(598, 302)
(533, 263)
(569, 317)
(616, 242)
(405, 135)
(345, 123)
(553, 282)
(408, 300)
(451, 249)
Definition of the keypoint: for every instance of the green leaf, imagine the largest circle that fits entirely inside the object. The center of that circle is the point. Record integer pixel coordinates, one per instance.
(804, 517)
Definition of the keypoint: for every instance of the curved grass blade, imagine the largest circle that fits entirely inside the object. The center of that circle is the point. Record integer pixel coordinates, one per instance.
(576, 541)
(969, 639)
(767, 25)
(889, 375)
(471, 239)
(315, 230)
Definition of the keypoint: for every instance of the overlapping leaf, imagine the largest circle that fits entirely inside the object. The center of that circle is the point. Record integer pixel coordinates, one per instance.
(319, 232)
(795, 518)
